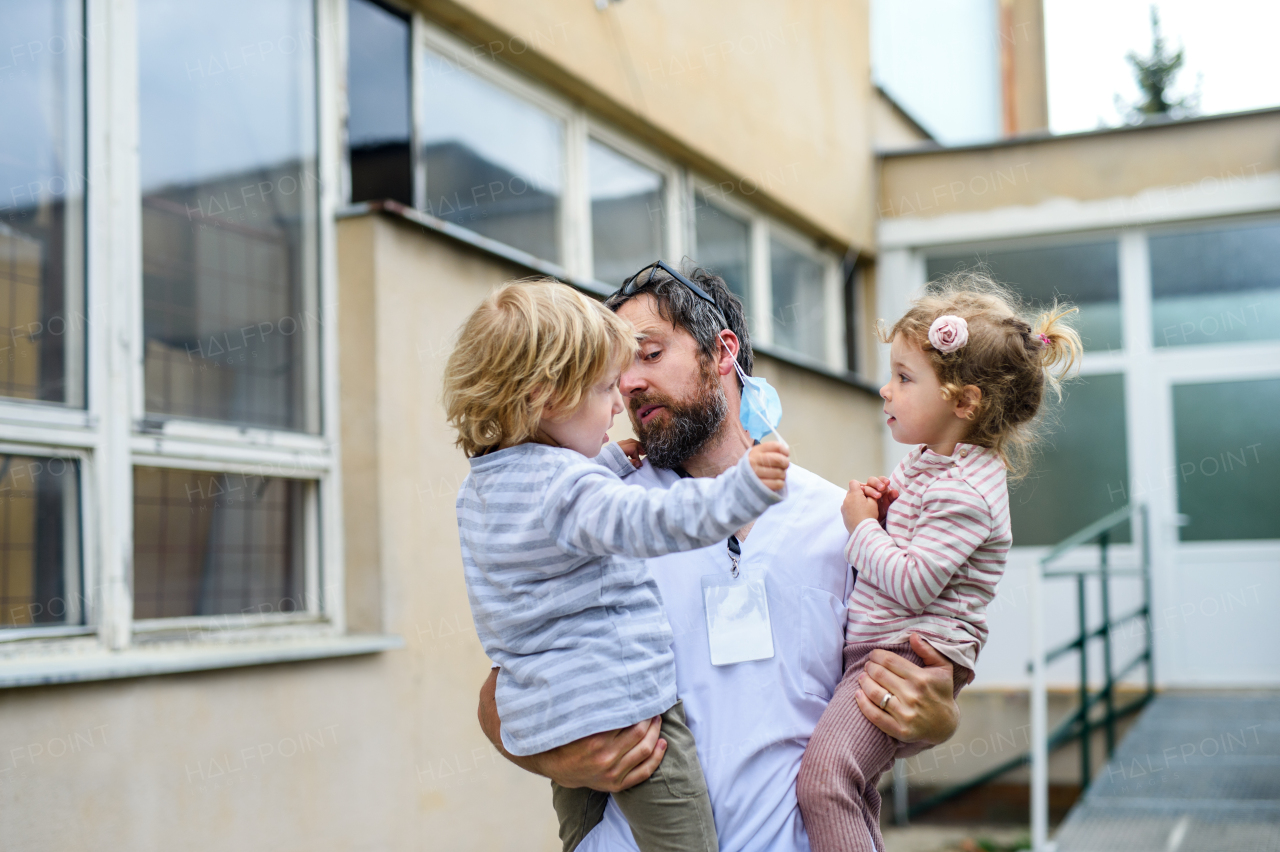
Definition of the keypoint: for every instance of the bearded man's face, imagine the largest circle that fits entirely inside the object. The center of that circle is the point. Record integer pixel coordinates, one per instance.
(674, 393)
(684, 426)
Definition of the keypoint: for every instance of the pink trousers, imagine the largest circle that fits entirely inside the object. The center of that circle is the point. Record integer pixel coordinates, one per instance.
(844, 761)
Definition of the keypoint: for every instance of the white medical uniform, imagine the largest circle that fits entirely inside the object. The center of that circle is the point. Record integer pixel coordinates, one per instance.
(753, 720)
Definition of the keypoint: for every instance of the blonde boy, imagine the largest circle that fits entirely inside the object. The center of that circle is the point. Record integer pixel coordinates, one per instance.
(553, 544)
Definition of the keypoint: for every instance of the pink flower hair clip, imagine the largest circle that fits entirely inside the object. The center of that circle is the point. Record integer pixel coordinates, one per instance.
(1045, 341)
(948, 333)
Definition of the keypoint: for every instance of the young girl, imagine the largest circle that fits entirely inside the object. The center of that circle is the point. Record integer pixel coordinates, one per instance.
(968, 376)
(553, 544)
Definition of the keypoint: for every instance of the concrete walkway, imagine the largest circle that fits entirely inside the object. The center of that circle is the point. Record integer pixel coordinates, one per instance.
(1199, 772)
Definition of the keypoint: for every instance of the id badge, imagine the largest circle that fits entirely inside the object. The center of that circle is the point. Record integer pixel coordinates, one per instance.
(737, 619)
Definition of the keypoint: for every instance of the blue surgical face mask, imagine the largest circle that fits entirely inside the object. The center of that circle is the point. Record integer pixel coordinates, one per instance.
(761, 409)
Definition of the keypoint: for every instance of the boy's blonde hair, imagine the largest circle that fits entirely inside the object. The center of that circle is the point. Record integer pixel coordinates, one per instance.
(1011, 359)
(530, 344)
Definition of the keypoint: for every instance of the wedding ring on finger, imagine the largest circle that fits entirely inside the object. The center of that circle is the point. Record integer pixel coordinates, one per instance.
(885, 701)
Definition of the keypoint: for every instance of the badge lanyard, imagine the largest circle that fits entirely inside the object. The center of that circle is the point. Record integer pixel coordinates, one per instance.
(737, 609)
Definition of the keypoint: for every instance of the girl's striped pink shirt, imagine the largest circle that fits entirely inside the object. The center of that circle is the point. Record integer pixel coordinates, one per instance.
(933, 568)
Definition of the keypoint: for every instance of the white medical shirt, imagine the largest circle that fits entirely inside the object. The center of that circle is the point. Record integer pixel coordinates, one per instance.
(752, 720)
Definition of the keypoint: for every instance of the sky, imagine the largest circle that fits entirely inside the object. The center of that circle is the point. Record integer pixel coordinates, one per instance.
(1229, 47)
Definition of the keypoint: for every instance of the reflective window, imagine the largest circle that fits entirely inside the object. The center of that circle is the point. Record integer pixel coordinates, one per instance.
(1087, 275)
(1216, 285)
(799, 301)
(1226, 436)
(627, 216)
(1080, 472)
(494, 162)
(379, 122)
(39, 542)
(216, 544)
(229, 210)
(42, 186)
(724, 246)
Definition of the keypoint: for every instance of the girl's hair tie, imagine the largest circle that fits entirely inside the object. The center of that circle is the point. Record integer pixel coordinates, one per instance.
(1045, 341)
(948, 333)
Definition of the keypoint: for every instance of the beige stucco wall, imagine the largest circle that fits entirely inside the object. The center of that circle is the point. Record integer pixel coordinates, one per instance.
(1203, 154)
(776, 93)
(370, 753)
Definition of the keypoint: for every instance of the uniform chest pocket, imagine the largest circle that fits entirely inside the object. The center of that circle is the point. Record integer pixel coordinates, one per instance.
(822, 647)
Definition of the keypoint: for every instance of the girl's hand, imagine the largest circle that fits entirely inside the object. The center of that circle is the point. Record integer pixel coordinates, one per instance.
(877, 488)
(857, 506)
(634, 450)
(770, 462)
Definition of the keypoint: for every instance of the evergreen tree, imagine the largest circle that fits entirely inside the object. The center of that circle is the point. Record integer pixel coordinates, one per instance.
(1155, 76)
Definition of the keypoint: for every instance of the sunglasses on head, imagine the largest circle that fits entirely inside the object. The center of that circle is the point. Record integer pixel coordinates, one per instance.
(632, 285)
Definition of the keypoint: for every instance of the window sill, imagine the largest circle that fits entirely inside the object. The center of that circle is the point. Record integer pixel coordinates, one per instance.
(76, 662)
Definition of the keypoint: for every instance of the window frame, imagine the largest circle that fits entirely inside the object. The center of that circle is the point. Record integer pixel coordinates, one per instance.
(113, 434)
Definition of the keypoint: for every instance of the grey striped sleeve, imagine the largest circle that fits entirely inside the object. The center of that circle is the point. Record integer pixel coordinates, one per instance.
(589, 513)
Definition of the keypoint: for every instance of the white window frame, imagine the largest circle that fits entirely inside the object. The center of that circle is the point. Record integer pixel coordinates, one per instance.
(113, 434)
(683, 191)
(833, 308)
(673, 236)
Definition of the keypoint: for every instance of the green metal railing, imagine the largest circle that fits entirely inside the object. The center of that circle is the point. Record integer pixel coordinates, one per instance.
(1080, 723)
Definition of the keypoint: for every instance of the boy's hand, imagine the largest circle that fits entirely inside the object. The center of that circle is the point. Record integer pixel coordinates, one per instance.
(877, 488)
(634, 450)
(770, 462)
(857, 506)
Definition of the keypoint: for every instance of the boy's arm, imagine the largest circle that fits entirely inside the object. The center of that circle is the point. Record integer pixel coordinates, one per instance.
(954, 522)
(590, 514)
(615, 457)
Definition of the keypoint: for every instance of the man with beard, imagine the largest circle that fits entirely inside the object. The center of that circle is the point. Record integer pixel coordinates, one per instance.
(751, 720)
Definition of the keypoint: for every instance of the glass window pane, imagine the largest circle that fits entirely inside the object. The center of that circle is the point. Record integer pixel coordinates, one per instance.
(724, 247)
(42, 185)
(216, 544)
(1080, 472)
(1086, 274)
(627, 217)
(229, 210)
(1218, 285)
(39, 542)
(494, 162)
(379, 123)
(1228, 471)
(799, 301)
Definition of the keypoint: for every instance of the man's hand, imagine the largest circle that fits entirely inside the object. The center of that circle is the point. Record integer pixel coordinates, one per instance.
(923, 708)
(857, 506)
(770, 462)
(877, 488)
(634, 450)
(609, 762)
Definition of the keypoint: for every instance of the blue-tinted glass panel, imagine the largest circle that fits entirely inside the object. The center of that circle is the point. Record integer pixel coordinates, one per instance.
(42, 190)
(216, 544)
(799, 301)
(40, 581)
(1087, 275)
(724, 247)
(230, 189)
(627, 215)
(1216, 285)
(494, 162)
(1227, 439)
(379, 121)
(1080, 472)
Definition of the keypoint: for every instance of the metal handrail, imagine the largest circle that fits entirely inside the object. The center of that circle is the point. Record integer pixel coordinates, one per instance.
(1078, 724)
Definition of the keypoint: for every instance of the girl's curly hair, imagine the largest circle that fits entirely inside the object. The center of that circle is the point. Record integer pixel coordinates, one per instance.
(1011, 356)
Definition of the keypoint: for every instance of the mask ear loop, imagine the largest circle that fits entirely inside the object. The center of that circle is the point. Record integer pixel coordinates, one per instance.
(747, 386)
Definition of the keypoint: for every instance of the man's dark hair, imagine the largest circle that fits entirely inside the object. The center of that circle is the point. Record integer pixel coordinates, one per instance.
(683, 308)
